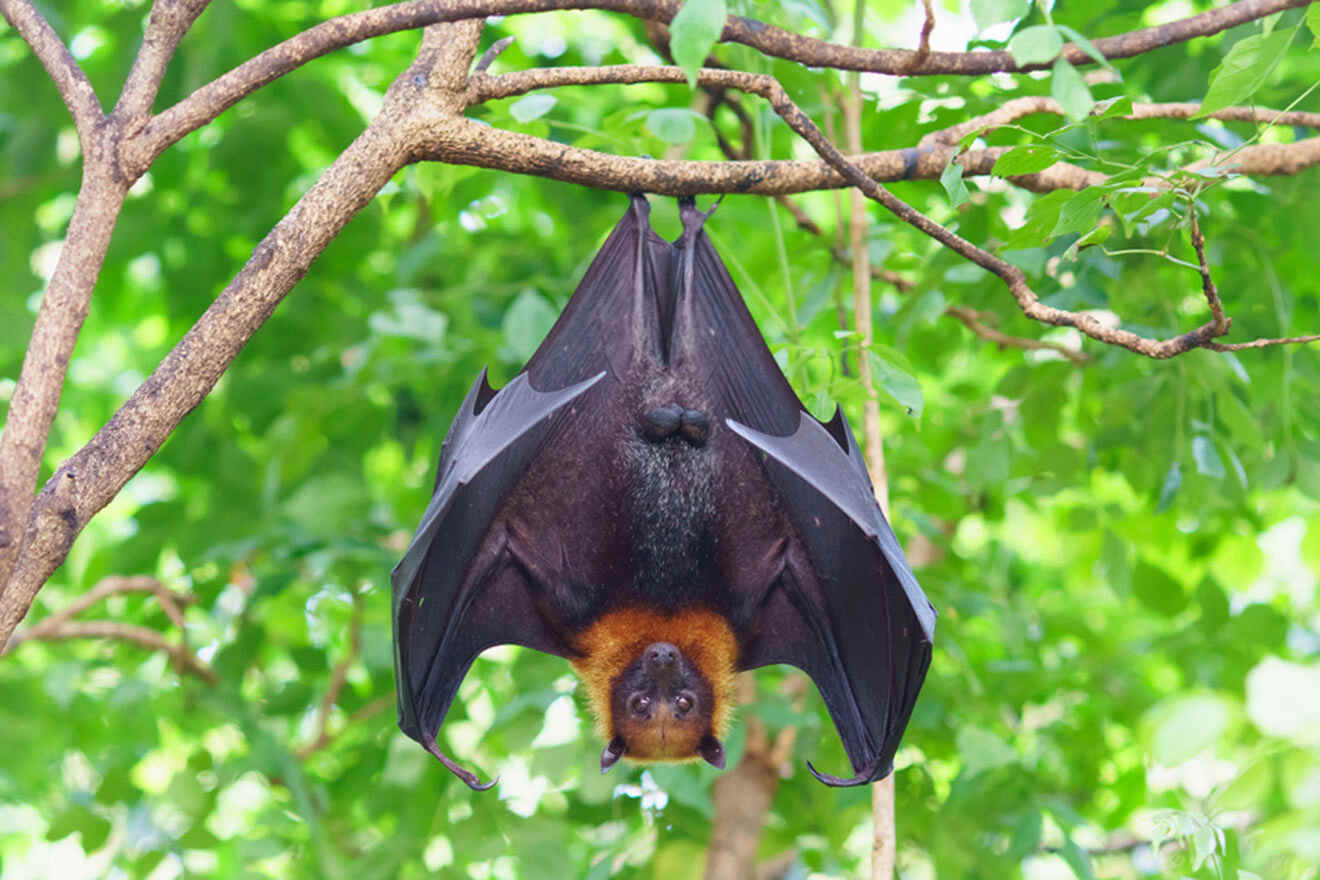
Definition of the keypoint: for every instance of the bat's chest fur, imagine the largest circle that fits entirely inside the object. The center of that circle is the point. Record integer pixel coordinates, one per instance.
(672, 517)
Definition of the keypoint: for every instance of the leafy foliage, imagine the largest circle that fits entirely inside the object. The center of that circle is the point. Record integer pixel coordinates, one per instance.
(1124, 554)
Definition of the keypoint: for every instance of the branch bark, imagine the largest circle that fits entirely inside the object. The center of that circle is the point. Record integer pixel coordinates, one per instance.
(423, 102)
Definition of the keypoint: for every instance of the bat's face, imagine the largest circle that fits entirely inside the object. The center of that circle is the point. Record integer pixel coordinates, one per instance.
(661, 686)
(662, 708)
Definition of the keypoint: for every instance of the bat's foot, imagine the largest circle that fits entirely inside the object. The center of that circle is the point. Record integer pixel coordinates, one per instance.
(673, 420)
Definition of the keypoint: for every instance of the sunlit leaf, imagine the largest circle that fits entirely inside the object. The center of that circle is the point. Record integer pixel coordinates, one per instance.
(1070, 90)
(1244, 69)
(1028, 159)
(987, 13)
(1035, 45)
(693, 33)
(951, 178)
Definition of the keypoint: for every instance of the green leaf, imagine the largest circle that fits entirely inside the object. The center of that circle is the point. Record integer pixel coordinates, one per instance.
(1208, 462)
(952, 180)
(1118, 107)
(1158, 590)
(1249, 789)
(1179, 728)
(987, 13)
(1029, 159)
(694, 32)
(1085, 45)
(1070, 90)
(1080, 213)
(1077, 858)
(1244, 69)
(900, 384)
(1035, 45)
(1042, 217)
(1313, 23)
(673, 125)
(530, 107)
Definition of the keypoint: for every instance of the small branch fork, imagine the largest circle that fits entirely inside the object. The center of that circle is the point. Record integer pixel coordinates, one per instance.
(61, 625)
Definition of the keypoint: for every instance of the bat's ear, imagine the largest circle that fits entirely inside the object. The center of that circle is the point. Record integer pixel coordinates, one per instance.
(613, 752)
(712, 750)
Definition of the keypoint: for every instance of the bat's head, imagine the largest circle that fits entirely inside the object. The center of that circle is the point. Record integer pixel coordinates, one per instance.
(661, 685)
(662, 708)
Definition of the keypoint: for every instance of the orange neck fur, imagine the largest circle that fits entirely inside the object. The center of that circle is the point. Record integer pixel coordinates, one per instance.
(615, 640)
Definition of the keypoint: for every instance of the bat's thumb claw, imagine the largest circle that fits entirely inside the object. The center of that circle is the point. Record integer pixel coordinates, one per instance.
(471, 779)
(866, 775)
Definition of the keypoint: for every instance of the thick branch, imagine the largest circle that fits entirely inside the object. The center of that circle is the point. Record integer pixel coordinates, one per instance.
(63, 309)
(510, 151)
(214, 98)
(818, 53)
(422, 102)
(72, 83)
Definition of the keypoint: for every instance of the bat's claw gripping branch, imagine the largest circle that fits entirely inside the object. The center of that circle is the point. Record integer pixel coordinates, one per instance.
(473, 782)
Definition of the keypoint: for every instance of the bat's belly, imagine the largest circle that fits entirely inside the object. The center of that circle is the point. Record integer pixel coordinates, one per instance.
(672, 515)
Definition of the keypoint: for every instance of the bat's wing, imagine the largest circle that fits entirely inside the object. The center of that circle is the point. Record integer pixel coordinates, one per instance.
(613, 315)
(480, 564)
(848, 610)
(457, 590)
(844, 605)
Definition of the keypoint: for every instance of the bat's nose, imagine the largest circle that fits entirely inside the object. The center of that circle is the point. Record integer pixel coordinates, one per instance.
(661, 655)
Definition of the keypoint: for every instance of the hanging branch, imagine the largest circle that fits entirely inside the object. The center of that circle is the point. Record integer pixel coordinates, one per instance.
(61, 625)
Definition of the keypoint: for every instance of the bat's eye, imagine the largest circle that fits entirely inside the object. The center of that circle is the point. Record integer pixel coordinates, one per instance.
(639, 705)
(682, 704)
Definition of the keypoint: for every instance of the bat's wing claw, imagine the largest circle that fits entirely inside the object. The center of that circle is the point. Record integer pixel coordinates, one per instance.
(866, 775)
(471, 779)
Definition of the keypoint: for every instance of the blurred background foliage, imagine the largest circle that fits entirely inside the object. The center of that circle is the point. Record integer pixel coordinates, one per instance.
(1126, 679)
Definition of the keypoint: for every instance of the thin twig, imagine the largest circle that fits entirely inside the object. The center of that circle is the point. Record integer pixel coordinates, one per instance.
(488, 57)
(184, 660)
(1018, 108)
(60, 626)
(927, 28)
(338, 678)
(975, 321)
(1207, 283)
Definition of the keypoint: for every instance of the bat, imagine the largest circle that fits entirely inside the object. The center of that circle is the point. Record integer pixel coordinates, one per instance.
(649, 499)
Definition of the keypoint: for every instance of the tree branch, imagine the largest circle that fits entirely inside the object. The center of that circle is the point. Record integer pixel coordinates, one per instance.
(214, 98)
(1017, 108)
(60, 626)
(975, 322)
(167, 23)
(421, 103)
